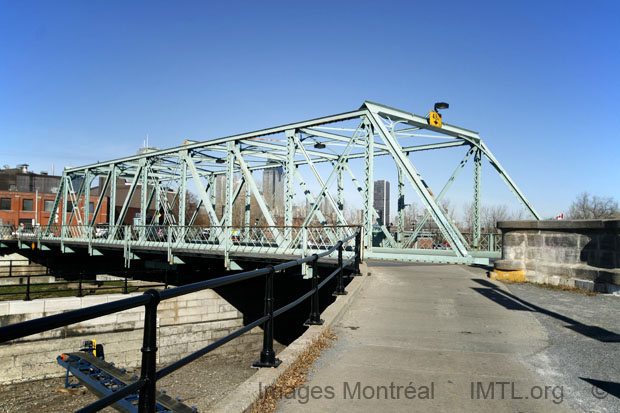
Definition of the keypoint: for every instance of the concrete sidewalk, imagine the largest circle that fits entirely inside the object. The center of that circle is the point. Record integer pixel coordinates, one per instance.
(429, 338)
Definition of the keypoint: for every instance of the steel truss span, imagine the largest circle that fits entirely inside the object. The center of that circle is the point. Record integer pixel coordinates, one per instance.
(314, 159)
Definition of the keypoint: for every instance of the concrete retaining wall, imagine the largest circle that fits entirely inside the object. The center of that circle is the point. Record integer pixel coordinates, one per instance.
(580, 253)
(17, 280)
(185, 324)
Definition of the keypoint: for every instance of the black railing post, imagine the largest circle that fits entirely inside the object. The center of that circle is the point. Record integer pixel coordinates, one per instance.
(315, 314)
(125, 290)
(339, 280)
(80, 284)
(358, 252)
(10, 268)
(27, 289)
(166, 279)
(146, 401)
(267, 354)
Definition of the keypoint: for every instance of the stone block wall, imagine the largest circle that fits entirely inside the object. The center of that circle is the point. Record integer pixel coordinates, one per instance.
(185, 324)
(579, 253)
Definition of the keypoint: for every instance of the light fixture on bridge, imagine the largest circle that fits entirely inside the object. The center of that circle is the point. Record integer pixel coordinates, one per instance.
(220, 160)
(319, 145)
(434, 118)
(441, 105)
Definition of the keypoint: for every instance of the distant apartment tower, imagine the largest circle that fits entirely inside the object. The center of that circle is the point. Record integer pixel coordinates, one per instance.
(220, 194)
(273, 189)
(382, 201)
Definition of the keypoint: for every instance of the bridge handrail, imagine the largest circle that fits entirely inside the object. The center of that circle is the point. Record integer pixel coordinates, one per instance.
(151, 298)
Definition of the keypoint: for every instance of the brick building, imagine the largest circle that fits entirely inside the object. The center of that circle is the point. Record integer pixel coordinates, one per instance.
(28, 198)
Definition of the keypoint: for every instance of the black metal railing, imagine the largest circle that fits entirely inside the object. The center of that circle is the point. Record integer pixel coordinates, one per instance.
(18, 267)
(146, 384)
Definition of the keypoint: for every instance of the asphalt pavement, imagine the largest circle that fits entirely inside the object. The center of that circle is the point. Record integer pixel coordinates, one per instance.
(583, 350)
(433, 338)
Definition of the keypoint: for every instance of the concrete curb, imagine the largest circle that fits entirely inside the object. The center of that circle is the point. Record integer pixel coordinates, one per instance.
(241, 398)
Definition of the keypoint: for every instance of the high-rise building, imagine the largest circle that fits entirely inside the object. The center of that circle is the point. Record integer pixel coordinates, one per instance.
(273, 189)
(220, 194)
(382, 201)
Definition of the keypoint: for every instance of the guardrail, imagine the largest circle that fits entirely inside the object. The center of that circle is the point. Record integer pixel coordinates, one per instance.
(149, 375)
(491, 242)
(19, 267)
(265, 240)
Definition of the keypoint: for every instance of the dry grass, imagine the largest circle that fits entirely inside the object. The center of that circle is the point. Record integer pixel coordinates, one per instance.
(294, 376)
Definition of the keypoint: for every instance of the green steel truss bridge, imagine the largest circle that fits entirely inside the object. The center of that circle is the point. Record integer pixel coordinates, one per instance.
(317, 157)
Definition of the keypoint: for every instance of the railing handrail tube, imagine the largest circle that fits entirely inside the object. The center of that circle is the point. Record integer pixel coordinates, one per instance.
(43, 324)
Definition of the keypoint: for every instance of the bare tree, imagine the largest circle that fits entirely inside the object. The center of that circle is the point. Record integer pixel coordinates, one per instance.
(450, 211)
(489, 215)
(587, 206)
(191, 202)
(411, 215)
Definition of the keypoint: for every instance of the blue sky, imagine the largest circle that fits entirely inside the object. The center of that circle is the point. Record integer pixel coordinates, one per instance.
(87, 81)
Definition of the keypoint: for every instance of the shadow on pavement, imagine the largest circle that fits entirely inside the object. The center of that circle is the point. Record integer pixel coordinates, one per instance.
(609, 387)
(512, 302)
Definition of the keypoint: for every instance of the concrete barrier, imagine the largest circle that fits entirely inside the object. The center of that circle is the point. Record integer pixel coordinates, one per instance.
(185, 324)
(18, 280)
(574, 253)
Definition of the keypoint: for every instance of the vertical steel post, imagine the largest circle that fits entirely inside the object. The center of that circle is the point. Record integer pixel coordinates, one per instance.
(246, 214)
(144, 209)
(289, 176)
(65, 204)
(112, 204)
(10, 268)
(125, 290)
(80, 294)
(228, 209)
(340, 281)
(369, 180)
(182, 189)
(146, 401)
(401, 208)
(340, 203)
(87, 179)
(27, 288)
(157, 204)
(212, 194)
(477, 170)
(315, 310)
(267, 354)
(358, 251)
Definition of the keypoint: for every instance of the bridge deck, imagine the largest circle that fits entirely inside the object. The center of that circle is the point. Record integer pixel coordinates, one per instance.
(438, 326)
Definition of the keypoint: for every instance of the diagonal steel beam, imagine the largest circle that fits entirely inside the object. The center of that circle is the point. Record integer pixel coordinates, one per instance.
(509, 182)
(132, 190)
(449, 232)
(257, 195)
(202, 192)
(325, 186)
(445, 188)
(102, 196)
